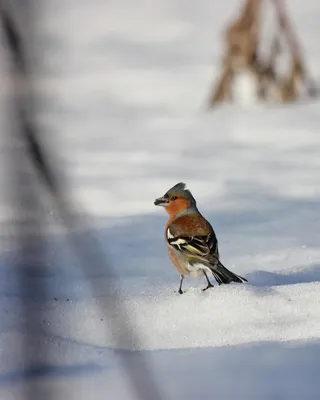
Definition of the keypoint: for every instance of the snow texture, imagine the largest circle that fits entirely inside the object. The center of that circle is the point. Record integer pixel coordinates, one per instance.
(127, 106)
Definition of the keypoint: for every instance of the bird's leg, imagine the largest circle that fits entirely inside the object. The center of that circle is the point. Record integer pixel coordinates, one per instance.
(209, 283)
(180, 287)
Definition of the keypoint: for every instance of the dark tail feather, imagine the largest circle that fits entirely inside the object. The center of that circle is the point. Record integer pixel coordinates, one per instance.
(223, 275)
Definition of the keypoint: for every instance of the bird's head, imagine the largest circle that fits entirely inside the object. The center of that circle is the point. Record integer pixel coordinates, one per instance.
(176, 200)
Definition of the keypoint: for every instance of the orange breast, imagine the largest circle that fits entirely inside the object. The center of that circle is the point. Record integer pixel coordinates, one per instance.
(190, 225)
(180, 266)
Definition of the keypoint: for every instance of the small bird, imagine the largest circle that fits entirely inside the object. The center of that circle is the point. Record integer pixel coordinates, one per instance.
(191, 241)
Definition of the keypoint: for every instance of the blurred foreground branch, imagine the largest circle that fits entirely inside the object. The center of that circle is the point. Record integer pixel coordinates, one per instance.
(138, 370)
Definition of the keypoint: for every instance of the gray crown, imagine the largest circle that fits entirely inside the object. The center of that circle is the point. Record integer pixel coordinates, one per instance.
(180, 188)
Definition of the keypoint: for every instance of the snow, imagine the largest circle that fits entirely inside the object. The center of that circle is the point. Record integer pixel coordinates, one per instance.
(127, 107)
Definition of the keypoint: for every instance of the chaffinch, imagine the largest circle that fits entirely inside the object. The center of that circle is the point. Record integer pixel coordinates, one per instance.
(191, 241)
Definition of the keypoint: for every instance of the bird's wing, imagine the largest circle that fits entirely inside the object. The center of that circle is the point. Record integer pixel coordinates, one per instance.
(198, 246)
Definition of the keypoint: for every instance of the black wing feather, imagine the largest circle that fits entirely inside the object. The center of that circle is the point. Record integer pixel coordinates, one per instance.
(199, 245)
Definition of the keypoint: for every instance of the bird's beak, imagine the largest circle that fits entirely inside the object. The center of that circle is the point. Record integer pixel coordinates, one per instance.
(161, 201)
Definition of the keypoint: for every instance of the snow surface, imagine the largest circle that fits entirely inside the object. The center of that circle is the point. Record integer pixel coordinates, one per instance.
(127, 106)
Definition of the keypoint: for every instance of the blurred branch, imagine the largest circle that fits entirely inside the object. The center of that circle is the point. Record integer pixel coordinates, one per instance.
(242, 41)
(139, 371)
(298, 69)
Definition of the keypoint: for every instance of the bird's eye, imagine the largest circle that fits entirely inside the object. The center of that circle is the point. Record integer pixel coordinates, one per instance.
(173, 198)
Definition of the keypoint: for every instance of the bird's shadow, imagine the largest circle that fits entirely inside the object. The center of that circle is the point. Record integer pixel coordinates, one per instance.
(265, 283)
(297, 276)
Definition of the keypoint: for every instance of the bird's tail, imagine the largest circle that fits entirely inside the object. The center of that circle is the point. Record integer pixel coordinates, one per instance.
(223, 275)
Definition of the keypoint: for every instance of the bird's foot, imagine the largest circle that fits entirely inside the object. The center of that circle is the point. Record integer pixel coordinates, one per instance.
(210, 285)
(180, 291)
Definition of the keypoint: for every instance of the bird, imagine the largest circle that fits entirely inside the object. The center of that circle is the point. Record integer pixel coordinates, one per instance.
(190, 239)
